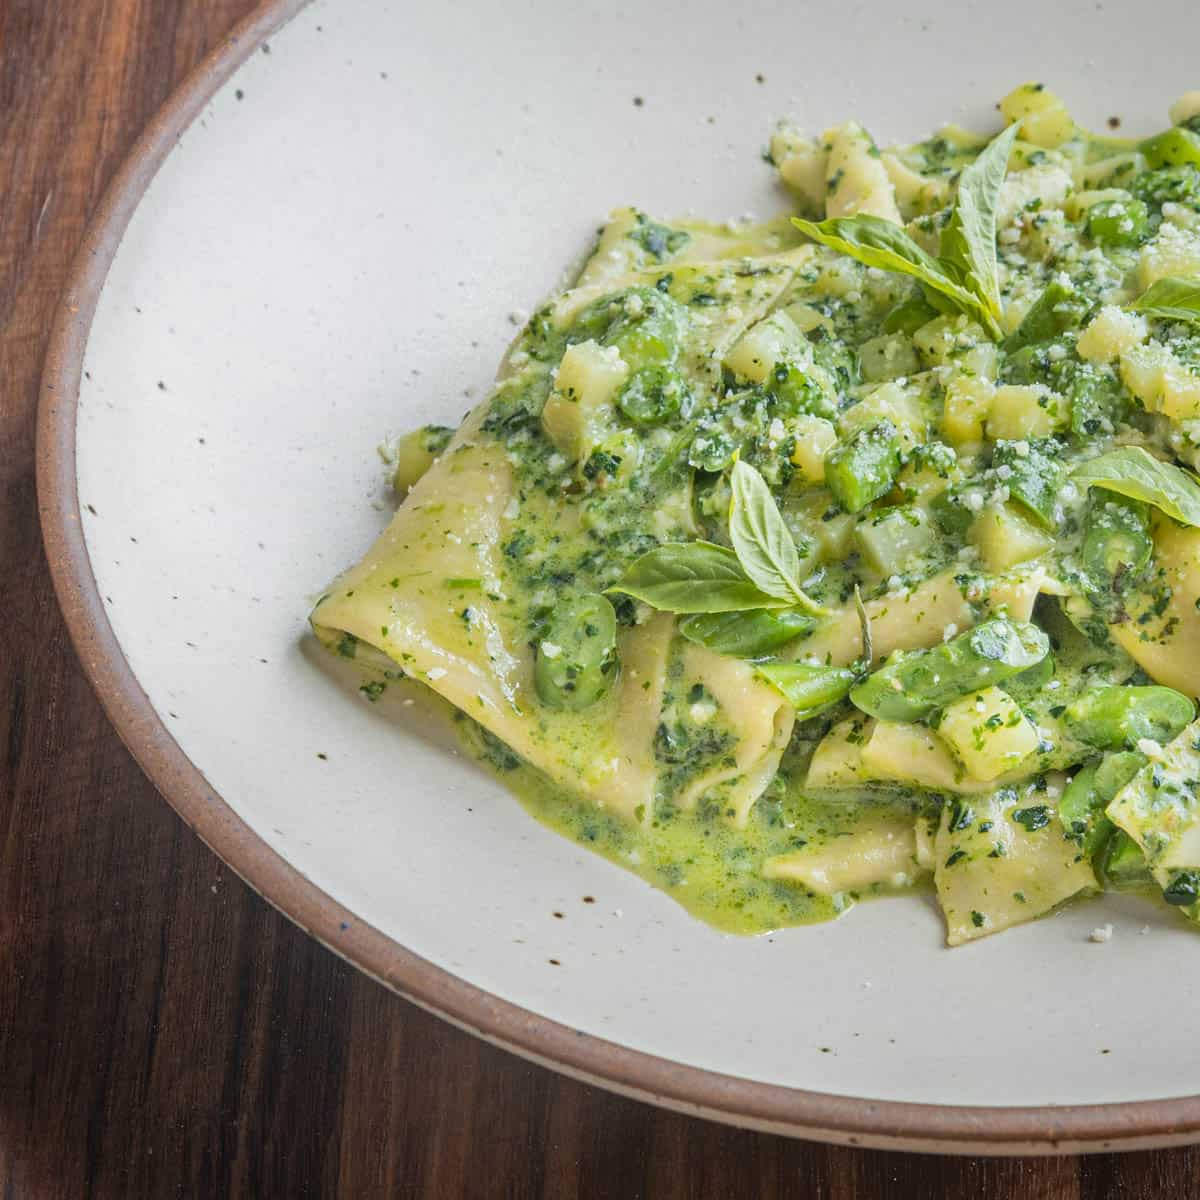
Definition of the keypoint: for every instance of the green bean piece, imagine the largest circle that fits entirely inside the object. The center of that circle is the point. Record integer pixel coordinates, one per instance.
(1116, 770)
(654, 396)
(1123, 865)
(1033, 474)
(746, 634)
(1056, 310)
(865, 467)
(1039, 363)
(711, 450)
(1082, 806)
(1116, 542)
(1173, 148)
(1118, 222)
(913, 684)
(1029, 683)
(954, 509)
(1081, 812)
(794, 392)
(1117, 718)
(811, 690)
(1098, 402)
(577, 654)
(644, 324)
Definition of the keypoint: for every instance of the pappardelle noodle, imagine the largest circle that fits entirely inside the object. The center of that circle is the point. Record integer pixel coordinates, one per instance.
(793, 563)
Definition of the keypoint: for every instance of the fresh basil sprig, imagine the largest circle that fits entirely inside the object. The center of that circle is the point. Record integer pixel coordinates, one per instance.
(762, 541)
(879, 243)
(746, 634)
(1172, 299)
(761, 572)
(694, 577)
(968, 245)
(965, 273)
(1133, 472)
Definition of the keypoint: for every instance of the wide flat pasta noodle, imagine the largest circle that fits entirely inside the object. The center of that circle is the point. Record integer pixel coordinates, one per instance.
(922, 616)
(439, 595)
(760, 720)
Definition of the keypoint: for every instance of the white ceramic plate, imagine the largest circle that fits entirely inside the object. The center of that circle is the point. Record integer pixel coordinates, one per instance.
(331, 253)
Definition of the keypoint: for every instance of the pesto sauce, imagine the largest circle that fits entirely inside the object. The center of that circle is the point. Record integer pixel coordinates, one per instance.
(978, 434)
(698, 858)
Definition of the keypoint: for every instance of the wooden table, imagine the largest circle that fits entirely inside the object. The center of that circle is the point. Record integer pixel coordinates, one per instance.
(162, 1030)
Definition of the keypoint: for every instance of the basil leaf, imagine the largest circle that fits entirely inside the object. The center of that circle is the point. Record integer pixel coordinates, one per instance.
(879, 243)
(1172, 299)
(745, 634)
(694, 577)
(810, 690)
(762, 541)
(968, 246)
(1131, 471)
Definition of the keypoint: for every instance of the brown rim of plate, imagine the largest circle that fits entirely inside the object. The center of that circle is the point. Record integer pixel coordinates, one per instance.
(953, 1129)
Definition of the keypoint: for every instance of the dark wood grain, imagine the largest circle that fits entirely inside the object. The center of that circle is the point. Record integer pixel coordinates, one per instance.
(162, 1030)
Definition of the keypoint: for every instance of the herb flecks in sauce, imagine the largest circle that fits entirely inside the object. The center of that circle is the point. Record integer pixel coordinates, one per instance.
(796, 563)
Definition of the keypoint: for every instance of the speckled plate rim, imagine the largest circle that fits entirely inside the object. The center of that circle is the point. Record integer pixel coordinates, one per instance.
(769, 1107)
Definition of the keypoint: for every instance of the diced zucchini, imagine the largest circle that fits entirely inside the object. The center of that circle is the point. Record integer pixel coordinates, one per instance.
(893, 541)
(1110, 333)
(1123, 865)
(1033, 472)
(988, 732)
(889, 356)
(801, 162)
(1005, 538)
(864, 468)
(1185, 109)
(580, 408)
(1027, 411)
(761, 348)
(1044, 118)
(1161, 382)
(830, 528)
(1044, 186)
(855, 180)
(1174, 252)
(814, 437)
(892, 402)
(1078, 203)
(967, 406)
